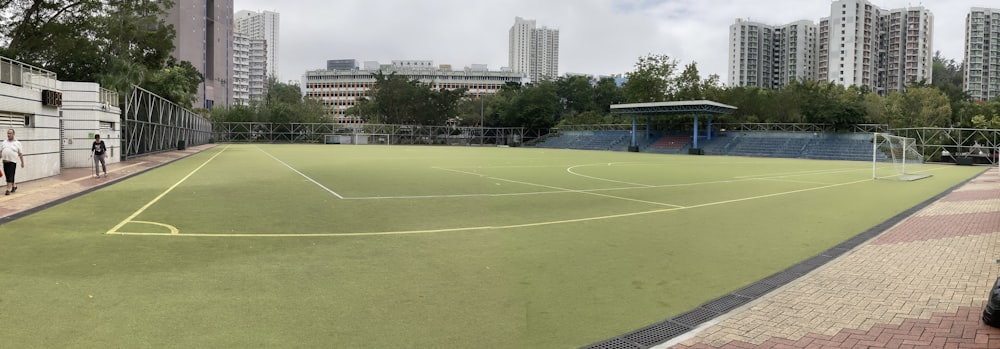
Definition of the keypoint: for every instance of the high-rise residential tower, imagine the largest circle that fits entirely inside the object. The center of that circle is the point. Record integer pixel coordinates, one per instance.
(205, 38)
(262, 25)
(768, 56)
(859, 44)
(885, 50)
(982, 54)
(241, 69)
(533, 51)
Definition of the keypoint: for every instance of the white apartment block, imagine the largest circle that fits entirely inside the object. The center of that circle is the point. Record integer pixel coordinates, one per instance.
(885, 50)
(241, 69)
(533, 51)
(982, 54)
(341, 89)
(767, 56)
(258, 69)
(910, 58)
(262, 26)
(858, 44)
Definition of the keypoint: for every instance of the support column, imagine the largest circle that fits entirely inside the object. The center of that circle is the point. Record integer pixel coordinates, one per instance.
(708, 130)
(695, 136)
(633, 147)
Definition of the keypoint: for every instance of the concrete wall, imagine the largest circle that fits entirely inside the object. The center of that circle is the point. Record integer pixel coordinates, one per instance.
(40, 136)
(82, 115)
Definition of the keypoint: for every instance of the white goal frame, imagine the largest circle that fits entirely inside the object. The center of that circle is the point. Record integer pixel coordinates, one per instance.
(899, 158)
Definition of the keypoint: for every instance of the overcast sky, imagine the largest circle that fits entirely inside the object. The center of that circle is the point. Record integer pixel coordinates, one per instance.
(599, 37)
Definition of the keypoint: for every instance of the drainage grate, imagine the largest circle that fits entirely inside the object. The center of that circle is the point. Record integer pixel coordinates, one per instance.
(818, 260)
(802, 268)
(658, 333)
(726, 303)
(756, 290)
(780, 278)
(695, 317)
(614, 343)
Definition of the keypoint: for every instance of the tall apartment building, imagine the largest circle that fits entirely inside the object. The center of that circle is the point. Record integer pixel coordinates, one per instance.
(768, 56)
(258, 69)
(885, 50)
(262, 25)
(532, 50)
(241, 69)
(982, 54)
(858, 44)
(341, 89)
(910, 57)
(204, 38)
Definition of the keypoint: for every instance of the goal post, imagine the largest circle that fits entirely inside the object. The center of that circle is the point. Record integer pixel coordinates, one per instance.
(897, 158)
(359, 138)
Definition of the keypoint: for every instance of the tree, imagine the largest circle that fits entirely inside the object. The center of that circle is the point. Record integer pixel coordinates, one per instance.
(689, 84)
(606, 93)
(918, 107)
(533, 107)
(652, 80)
(177, 82)
(575, 94)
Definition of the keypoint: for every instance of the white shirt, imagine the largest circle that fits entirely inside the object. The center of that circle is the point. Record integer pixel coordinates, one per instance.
(10, 150)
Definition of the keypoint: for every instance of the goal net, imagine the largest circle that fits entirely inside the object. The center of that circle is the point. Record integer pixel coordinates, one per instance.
(897, 158)
(359, 138)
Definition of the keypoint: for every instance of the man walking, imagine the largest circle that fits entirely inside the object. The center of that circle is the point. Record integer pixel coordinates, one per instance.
(97, 151)
(10, 154)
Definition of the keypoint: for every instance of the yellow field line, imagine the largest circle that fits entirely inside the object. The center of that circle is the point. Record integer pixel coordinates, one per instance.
(144, 207)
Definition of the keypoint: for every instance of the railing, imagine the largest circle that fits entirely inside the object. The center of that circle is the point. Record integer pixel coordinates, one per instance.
(20, 74)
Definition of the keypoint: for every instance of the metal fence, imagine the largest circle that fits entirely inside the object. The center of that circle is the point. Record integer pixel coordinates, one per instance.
(266, 132)
(152, 124)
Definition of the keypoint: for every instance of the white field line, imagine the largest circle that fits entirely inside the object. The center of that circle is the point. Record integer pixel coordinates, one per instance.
(562, 189)
(301, 174)
(502, 227)
(164, 193)
(570, 170)
(724, 181)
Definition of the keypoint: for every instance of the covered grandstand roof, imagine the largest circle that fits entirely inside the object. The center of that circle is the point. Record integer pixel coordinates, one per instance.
(676, 107)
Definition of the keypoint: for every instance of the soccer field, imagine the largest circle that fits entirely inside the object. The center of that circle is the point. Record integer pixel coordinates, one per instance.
(406, 246)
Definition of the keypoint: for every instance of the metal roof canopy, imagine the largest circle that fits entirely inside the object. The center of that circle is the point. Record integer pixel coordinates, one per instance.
(696, 108)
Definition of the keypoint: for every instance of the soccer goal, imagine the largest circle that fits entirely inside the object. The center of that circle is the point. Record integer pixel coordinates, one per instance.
(359, 138)
(895, 157)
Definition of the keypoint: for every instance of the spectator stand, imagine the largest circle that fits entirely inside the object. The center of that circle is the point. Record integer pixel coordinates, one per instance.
(677, 108)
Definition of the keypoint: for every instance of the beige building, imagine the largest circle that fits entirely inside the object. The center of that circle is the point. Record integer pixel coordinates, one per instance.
(205, 38)
(341, 89)
(982, 54)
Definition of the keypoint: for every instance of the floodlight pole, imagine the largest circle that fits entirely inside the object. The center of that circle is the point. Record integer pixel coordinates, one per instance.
(482, 119)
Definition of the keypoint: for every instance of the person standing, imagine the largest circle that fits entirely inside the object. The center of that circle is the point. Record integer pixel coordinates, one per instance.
(10, 154)
(97, 151)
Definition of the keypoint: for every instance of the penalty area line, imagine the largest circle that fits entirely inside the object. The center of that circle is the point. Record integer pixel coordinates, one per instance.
(302, 174)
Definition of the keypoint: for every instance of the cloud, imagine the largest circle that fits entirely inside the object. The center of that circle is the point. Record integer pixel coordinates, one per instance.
(596, 36)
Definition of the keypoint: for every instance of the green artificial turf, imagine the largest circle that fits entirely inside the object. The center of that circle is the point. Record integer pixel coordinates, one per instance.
(424, 247)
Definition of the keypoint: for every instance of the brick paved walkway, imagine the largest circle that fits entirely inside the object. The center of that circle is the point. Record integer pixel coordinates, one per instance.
(39, 193)
(921, 284)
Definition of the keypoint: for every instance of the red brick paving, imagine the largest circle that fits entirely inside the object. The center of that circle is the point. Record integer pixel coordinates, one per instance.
(969, 195)
(922, 228)
(962, 329)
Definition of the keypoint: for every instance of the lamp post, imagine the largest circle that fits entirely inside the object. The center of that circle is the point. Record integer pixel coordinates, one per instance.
(482, 119)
